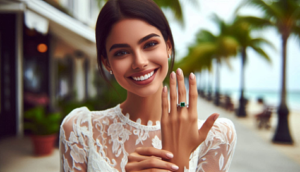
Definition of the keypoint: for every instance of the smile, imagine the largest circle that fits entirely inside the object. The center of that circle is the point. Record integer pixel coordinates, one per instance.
(144, 78)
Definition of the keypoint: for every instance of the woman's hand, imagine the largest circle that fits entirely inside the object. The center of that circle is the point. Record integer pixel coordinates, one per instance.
(149, 159)
(180, 134)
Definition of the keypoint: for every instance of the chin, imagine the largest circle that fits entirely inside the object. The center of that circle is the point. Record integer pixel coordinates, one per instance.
(146, 92)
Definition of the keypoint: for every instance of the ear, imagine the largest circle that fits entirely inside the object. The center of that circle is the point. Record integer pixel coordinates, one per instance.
(169, 47)
(105, 62)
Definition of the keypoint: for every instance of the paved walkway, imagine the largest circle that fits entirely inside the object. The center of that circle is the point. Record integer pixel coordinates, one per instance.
(253, 153)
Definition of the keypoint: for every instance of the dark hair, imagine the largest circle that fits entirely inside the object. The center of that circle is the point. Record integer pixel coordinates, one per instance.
(116, 10)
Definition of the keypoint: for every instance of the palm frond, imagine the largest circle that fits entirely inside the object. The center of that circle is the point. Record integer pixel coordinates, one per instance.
(205, 36)
(270, 10)
(256, 22)
(296, 32)
(220, 23)
(261, 52)
(260, 41)
(174, 5)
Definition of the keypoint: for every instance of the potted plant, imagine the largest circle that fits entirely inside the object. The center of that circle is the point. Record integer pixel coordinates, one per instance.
(43, 127)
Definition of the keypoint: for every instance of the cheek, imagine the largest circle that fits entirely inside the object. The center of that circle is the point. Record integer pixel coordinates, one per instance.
(161, 58)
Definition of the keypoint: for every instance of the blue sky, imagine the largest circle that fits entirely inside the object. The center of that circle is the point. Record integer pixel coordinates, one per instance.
(259, 75)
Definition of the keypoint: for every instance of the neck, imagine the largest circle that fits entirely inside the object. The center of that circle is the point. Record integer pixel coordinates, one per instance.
(145, 108)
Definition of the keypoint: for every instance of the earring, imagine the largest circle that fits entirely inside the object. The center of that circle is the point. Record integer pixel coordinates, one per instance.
(111, 72)
(169, 56)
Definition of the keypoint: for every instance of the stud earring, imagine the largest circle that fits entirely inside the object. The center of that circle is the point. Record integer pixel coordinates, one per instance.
(111, 72)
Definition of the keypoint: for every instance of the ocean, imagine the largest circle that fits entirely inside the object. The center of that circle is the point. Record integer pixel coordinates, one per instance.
(270, 97)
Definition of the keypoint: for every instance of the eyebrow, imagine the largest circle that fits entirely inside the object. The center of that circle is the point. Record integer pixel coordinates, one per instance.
(139, 42)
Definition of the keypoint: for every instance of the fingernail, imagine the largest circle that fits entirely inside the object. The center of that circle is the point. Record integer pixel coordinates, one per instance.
(174, 167)
(216, 117)
(179, 71)
(192, 76)
(173, 75)
(165, 89)
(170, 155)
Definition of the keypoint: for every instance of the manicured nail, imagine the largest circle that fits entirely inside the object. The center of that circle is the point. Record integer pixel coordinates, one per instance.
(192, 76)
(216, 117)
(179, 71)
(174, 167)
(165, 89)
(173, 75)
(170, 155)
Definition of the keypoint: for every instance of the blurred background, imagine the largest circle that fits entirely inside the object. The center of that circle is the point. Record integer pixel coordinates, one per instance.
(245, 54)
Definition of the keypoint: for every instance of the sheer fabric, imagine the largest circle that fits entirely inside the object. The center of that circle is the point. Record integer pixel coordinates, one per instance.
(100, 141)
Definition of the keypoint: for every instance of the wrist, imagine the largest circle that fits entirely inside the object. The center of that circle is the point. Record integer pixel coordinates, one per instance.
(182, 161)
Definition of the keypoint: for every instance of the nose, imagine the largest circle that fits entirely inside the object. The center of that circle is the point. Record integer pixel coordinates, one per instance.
(140, 61)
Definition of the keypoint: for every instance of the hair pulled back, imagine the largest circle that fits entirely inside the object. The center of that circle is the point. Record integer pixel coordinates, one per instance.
(116, 10)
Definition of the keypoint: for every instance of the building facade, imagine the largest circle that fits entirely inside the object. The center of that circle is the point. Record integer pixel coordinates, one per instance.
(47, 52)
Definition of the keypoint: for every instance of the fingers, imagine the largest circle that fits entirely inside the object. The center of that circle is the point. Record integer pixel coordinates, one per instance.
(150, 151)
(135, 157)
(207, 126)
(151, 163)
(173, 92)
(165, 105)
(153, 170)
(193, 93)
(181, 86)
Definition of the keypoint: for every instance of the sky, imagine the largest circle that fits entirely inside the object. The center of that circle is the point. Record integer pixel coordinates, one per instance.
(259, 74)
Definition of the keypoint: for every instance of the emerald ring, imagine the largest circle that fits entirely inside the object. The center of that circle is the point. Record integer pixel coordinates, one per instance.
(182, 104)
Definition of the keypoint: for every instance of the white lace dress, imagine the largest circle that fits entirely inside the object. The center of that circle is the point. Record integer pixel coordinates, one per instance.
(100, 141)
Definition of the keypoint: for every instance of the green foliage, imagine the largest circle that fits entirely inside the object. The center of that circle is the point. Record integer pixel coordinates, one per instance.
(283, 15)
(209, 47)
(110, 96)
(41, 123)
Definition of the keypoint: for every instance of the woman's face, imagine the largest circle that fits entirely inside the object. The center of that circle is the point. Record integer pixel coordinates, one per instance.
(138, 56)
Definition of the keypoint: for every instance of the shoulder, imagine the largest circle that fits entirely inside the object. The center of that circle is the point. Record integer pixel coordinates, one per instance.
(80, 118)
(83, 113)
(222, 131)
(77, 115)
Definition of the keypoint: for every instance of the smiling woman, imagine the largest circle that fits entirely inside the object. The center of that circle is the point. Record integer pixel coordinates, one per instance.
(134, 43)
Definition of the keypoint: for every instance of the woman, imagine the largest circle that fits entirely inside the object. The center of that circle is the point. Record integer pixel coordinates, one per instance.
(134, 43)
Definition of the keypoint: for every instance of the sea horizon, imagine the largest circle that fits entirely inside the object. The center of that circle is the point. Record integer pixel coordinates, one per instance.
(271, 97)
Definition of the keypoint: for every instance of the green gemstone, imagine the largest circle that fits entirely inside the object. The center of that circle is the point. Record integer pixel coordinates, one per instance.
(182, 104)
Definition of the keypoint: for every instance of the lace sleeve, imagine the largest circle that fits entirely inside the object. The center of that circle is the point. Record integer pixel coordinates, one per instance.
(73, 143)
(216, 152)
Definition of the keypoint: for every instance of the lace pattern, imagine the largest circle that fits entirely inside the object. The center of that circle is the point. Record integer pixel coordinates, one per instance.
(102, 140)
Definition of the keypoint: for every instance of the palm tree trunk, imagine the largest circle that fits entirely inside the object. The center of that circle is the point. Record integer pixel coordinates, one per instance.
(209, 87)
(217, 91)
(241, 110)
(282, 134)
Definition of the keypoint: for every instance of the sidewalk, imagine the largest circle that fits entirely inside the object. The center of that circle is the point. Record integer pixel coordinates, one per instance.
(254, 152)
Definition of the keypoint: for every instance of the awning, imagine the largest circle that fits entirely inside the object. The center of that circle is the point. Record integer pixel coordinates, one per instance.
(49, 12)
(44, 18)
(37, 22)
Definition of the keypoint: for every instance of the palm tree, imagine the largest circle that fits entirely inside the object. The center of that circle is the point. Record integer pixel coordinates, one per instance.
(284, 16)
(209, 48)
(242, 33)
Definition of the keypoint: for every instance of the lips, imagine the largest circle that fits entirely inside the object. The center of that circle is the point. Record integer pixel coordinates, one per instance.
(142, 73)
(145, 81)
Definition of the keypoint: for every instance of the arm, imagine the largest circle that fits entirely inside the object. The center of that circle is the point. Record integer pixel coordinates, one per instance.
(72, 145)
(216, 152)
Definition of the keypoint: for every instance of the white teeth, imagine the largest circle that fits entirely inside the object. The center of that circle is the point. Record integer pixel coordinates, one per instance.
(141, 78)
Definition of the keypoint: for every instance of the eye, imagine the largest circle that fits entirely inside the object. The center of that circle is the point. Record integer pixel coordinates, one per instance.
(150, 44)
(121, 53)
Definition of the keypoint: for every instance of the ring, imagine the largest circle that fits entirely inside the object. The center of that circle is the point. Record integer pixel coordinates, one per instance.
(182, 104)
